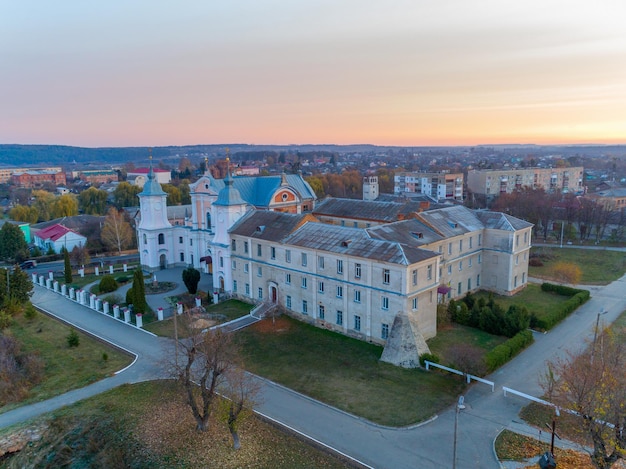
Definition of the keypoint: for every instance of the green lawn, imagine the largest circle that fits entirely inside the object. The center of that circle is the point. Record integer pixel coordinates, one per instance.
(532, 297)
(65, 368)
(599, 267)
(344, 372)
(455, 334)
(147, 425)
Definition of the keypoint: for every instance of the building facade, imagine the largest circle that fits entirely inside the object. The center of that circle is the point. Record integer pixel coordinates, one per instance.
(356, 281)
(438, 185)
(37, 177)
(491, 183)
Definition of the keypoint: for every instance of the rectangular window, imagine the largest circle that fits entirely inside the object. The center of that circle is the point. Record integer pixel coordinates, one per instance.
(260, 293)
(429, 272)
(248, 289)
(478, 280)
(386, 276)
(304, 260)
(320, 262)
(259, 271)
(190, 242)
(357, 296)
(258, 250)
(234, 265)
(288, 301)
(515, 281)
(459, 288)
(517, 260)
(384, 331)
(305, 307)
(460, 245)
(384, 302)
(480, 239)
(320, 287)
(221, 262)
(469, 284)
(339, 266)
(460, 265)
(480, 258)
(321, 312)
(440, 249)
(414, 273)
(233, 245)
(245, 247)
(234, 286)
(180, 240)
(449, 248)
(288, 279)
(245, 267)
(304, 284)
(523, 278)
(526, 237)
(471, 239)
(414, 305)
(288, 256)
(357, 323)
(339, 291)
(182, 257)
(340, 318)
(273, 252)
(449, 269)
(516, 240)
(469, 262)
(357, 270)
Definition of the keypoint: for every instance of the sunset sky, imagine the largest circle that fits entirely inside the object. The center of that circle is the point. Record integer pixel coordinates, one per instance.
(417, 72)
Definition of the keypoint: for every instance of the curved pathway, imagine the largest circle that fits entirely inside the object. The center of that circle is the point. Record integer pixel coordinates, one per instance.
(426, 446)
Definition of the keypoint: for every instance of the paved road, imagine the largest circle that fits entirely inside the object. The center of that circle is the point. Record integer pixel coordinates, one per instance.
(427, 446)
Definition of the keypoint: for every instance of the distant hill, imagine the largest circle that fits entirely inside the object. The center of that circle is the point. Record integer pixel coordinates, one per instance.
(66, 156)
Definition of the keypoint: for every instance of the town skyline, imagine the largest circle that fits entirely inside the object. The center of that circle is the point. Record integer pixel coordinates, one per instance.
(267, 73)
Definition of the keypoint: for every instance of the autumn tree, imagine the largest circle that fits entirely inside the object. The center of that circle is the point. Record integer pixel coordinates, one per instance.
(173, 194)
(93, 201)
(116, 232)
(567, 272)
(43, 203)
(79, 256)
(593, 384)
(24, 213)
(65, 205)
(125, 195)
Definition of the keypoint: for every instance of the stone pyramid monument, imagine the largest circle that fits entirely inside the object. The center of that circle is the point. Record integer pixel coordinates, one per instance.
(405, 343)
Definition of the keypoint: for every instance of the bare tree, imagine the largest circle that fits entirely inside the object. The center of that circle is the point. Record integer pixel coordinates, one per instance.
(240, 395)
(206, 358)
(116, 233)
(593, 384)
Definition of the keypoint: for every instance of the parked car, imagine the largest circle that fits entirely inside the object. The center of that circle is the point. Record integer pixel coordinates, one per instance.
(28, 265)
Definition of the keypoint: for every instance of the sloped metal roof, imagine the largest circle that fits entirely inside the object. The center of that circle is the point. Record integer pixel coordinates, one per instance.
(258, 190)
(374, 210)
(412, 233)
(269, 226)
(354, 242)
(501, 221)
(452, 221)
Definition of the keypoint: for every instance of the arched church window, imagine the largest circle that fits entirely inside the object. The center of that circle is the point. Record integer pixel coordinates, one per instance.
(145, 239)
(161, 238)
(208, 220)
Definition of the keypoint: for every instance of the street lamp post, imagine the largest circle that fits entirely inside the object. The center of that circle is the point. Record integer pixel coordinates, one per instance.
(459, 406)
(595, 333)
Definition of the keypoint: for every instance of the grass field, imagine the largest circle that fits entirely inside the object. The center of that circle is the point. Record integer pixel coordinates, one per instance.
(599, 267)
(344, 372)
(454, 334)
(146, 425)
(65, 368)
(532, 297)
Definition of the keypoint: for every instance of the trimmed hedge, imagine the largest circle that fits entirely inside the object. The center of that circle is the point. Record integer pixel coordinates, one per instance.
(107, 284)
(504, 352)
(577, 298)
